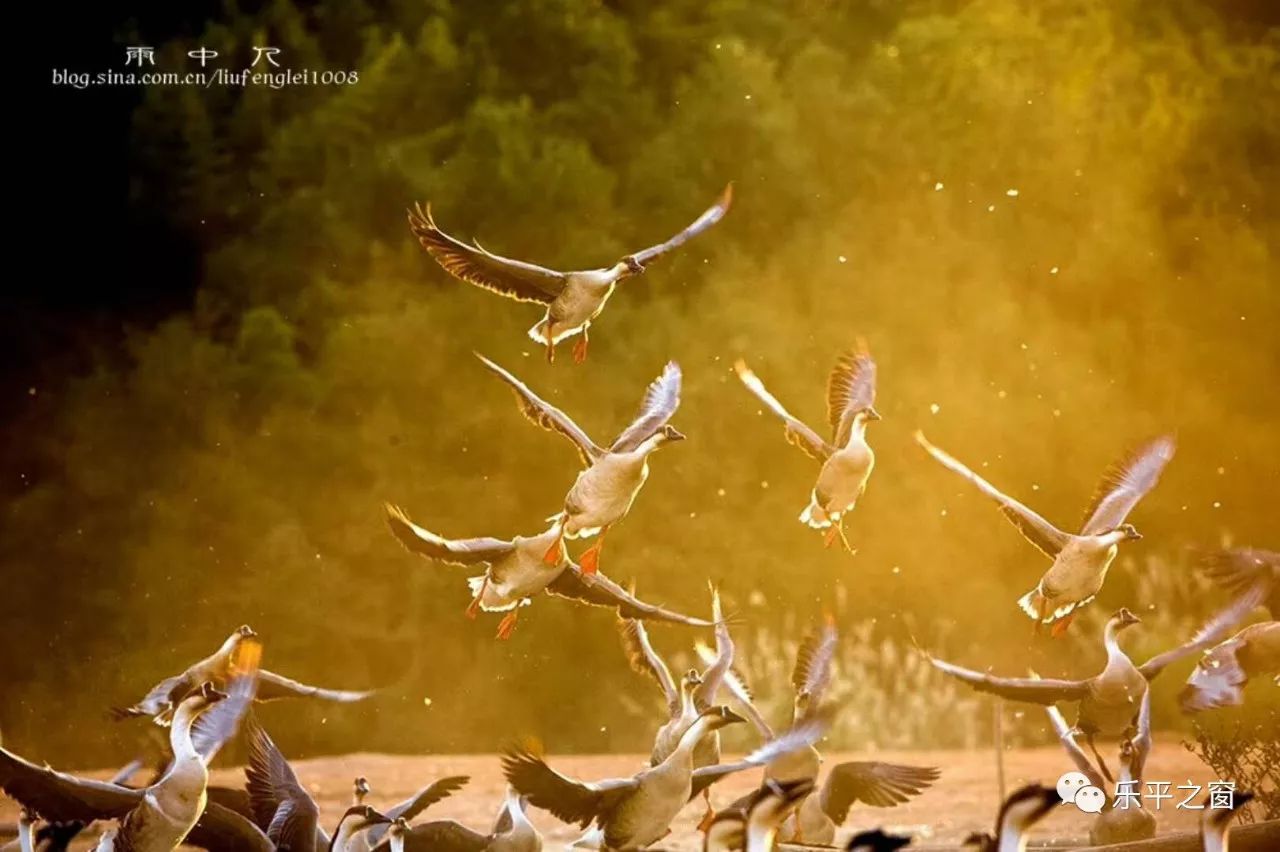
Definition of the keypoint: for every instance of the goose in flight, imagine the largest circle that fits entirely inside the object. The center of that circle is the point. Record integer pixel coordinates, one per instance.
(611, 478)
(754, 826)
(847, 460)
(1122, 820)
(1024, 807)
(1220, 676)
(1109, 702)
(573, 299)
(158, 817)
(635, 812)
(164, 696)
(1239, 569)
(874, 783)
(516, 571)
(1080, 562)
(511, 832)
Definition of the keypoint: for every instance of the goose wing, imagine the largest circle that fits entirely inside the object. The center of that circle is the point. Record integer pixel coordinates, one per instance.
(158, 699)
(1237, 569)
(1142, 738)
(661, 399)
(1036, 529)
(59, 797)
(796, 431)
(542, 413)
(218, 724)
(1126, 482)
(1210, 633)
(1077, 755)
(443, 835)
(812, 672)
(709, 217)
(465, 551)
(851, 388)
(1032, 690)
(515, 279)
(272, 687)
(881, 785)
(281, 805)
(568, 799)
(645, 660)
(799, 736)
(736, 682)
(413, 806)
(221, 829)
(704, 694)
(601, 591)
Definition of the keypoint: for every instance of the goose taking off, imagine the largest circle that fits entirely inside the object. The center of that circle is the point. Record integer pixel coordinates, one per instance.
(1080, 562)
(573, 299)
(875, 783)
(155, 818)
(847, 460)
(611, 478)
(1122, 820)
(516, 571)
(1109, 701)
(160, 701)
(635, 812)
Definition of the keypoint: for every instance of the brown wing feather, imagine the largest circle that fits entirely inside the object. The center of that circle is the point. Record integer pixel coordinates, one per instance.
(465, 551)
(661, 399)
(709, 217)
(644, 660)
(565, 798)
(881, 785)
(515, 279)
(851, 388)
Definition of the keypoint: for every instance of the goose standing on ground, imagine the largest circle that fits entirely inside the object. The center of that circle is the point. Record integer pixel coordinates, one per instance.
(611, 478)
(1024, 807)
(512, 832)
(160, 701)
(876, 783)
(516, 571)
(1109, 702)
(1080, 562)
(1215, 823)
(155, 818)
(1121, 820)
(635, 812)
(846, 461)
(573, 299)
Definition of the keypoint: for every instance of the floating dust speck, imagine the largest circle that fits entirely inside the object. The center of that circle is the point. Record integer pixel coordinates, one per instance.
(1012, 193)
(1221, 471)
(934, 408)
(937, 187)
(1053, 271)
(426, 702)
(764, 483)
(991, 208)
(1217, 505)
(842, 258)
(720, 492)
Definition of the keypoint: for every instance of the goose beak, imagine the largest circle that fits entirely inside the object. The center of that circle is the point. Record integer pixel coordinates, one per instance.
(674, 434)
(872, 414)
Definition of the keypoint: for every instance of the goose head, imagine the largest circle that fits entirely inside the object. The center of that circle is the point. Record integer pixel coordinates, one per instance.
(720, 717)
(691, 679)
(360, 789)
(1128, 754)
(359, 817)
(1027, 806)
(1129, 531)
(631, 266)
(876, 841)
(669, 435)
(1124, 618)
(869, 413)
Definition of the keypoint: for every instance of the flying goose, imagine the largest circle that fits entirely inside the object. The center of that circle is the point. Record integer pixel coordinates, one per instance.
(634, 812)
(1220, 676)
(573, 299)
(877, 784)
(1109, 702)
(754, 826)
(512, 832)
(1080, 562)
(1215, 823)
(611, 478)
(158, 817)
(847, 460)
(516, 571)
(1239, 569)
(160, 701)
(1024, 807)
(876, 841)
(1121, 820)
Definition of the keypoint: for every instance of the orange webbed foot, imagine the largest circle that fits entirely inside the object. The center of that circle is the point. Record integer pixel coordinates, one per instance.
(580, 350)
(473, 608)
(1061, 625)
(555, 553)
(589, 562)
(829, 537)
(508, 625)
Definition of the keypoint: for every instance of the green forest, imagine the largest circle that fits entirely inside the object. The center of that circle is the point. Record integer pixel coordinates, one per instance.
(1054, 222)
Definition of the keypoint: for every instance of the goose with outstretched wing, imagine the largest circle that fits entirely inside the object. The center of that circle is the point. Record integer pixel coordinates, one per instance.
(847, 460)
(1109, 702)
(1080, 562)
(515, 571)
(159, 702)
(573, 300)
(611, 477)
(1239, 569)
